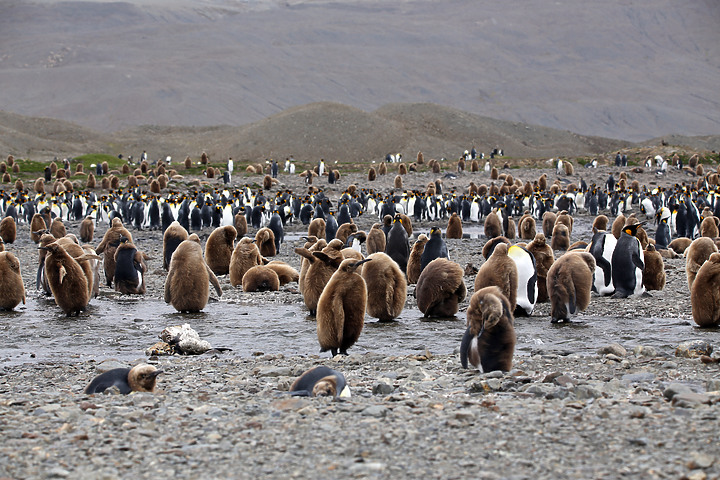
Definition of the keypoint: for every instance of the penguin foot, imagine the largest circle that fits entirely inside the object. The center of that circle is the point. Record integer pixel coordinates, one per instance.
(646, 295)
(618, 295)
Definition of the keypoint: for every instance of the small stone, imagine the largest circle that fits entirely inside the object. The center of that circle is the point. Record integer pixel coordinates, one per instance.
(640, 441)
(669, 365)
(696, 475)
(674, 388)
(494, 374)
(689, 399)
(700, 460)
(639, 377)
(494, 383)
(713, 385)
(465, 414)
(374, 411)
(57, 472)
(636, 411)
(275, 372)
(550, 377)
(613, 358)
(565, 380)
(645, 351)
(382, 388)
(586, 392)
(613, 349)
(693, 349)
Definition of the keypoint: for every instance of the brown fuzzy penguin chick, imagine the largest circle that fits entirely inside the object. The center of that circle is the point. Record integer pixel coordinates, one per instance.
(265, 240)
(341, 308)
(375, 239)
(454, 227)
(386, 285)
(174, 235)
(560, 237)
(12, 289)
(544, 258)
(699, 250)
(219, 249)
(187, 282)
(414, 260)
(569, 282)
(654, 272)
(440, 288)
(489, 341)
(260, 278)
(245, 256)
(285, 272)
(705, 293)
(548, 222)
(499, 270)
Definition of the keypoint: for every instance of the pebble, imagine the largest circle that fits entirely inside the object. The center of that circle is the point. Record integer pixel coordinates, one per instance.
(639, 377)
(675, 388)
(693, 349)
(689, 399)
(613, 349)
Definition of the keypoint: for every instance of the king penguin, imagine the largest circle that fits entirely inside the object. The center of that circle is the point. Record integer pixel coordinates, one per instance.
(628, 263)
(397, 246)
(434, 248)
(527, 290)
(602, 247)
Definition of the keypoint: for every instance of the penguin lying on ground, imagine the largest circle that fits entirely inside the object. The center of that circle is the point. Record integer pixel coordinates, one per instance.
(320, 381)
(140, 378)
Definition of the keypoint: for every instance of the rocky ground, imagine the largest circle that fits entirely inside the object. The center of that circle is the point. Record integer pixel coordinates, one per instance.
(625, 410)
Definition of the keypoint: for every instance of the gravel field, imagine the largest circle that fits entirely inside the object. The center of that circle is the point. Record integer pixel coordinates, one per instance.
(623, 405)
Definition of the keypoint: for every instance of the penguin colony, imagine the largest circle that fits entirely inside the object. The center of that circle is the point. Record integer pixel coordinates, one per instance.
(339, 282)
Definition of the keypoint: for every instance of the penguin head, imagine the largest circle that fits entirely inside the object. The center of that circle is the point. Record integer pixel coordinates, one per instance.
(435, 231)
(632, 229)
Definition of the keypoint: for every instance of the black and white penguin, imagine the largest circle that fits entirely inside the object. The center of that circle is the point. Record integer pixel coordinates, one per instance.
(397, 246)
(628, 263)
(602, 247)
(320, 381)
(129, 269)
(140, 378)
(663, 236)
(527, 290)
(434, 248)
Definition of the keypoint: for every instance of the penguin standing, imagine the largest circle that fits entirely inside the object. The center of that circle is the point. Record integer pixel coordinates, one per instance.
(130, 269)
(705, 293)
(140, 378)
(440, 288)
(415, 260)
(454, 228)
(654, 273)
(527, 289)
(12, 289)
(173, 236)
(628, 263)
(499, 271)
(602, 247)
(434, 248)
(341, 308)
(397, 246)
(569, 283)
(375, 240)
(186, 284)
(219, 249)
(489, 341)
(386, 287)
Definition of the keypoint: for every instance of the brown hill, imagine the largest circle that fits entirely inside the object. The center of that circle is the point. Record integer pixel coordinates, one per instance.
(317, 130)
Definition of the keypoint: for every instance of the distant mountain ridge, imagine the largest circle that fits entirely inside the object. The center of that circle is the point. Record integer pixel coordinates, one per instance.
(317, 130)
(632, 70)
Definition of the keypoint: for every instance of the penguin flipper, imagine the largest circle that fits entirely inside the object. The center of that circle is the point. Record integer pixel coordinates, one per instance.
(465, 347)
(606, 268)
(214, 281)
(637, 261)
